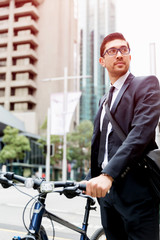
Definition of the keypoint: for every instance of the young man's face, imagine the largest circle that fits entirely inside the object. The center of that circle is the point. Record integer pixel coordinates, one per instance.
(117, 63)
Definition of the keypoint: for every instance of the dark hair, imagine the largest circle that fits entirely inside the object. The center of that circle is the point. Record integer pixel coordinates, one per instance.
(109, 38)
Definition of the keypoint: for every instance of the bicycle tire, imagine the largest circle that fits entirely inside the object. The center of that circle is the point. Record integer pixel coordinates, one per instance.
(42, 234)
(98, 235)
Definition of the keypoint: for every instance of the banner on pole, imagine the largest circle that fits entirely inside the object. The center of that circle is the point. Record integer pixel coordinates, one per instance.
(59, 114)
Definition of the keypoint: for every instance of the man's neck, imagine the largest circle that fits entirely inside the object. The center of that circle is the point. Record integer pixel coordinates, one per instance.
(113, 78)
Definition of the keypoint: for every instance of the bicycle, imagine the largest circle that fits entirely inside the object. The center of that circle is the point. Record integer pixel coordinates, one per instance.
(69, 188)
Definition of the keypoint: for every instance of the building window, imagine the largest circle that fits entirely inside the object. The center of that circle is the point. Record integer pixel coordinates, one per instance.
(23, 47)
(3, 22)
(30, 91)
(21, 92)
(30, 106)
(4, 35)
(22, 76)
(2, 63)
(20, 106)
(19, 4)
(3, 49)
(24, 19)
(21, 61)
(2, 76)
(12, 106)
(4, 8)
(12, 91)
(2, 92)
(24, 32)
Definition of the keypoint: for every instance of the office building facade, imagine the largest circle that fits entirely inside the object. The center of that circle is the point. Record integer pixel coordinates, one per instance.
(97, 19)
(38, 39)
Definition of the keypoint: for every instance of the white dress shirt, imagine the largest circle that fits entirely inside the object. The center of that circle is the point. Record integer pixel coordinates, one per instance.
(118, 84)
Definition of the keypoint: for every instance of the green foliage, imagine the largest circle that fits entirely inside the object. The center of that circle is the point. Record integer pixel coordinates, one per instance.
(58, 152)
(78, 146)
(15, 145)
(79, 143)
(58, 149)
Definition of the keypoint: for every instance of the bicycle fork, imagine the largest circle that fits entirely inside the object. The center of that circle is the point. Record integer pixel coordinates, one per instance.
(86, 218)
(36, 220)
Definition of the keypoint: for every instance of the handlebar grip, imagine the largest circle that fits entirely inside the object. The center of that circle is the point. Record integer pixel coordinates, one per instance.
(58, 184)
(12, 176)
(5, 182)
(9, 175)
(82, 187)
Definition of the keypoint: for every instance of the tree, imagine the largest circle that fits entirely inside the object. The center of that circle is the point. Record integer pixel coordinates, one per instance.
(57, 143)
(58, 149)
(79, 146)
(15, 145)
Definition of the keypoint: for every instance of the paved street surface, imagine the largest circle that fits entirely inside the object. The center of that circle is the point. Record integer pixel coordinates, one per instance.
(12, 203)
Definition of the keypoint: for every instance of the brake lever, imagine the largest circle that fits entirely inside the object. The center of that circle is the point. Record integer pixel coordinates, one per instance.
(59, 191)
(92, 201)
(5, 182)
(71, 192)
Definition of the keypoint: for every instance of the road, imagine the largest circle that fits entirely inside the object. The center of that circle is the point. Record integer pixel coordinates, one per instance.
(12, 203)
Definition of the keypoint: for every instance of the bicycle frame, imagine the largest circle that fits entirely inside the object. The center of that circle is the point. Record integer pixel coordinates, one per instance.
(70, 190)
(40, 211)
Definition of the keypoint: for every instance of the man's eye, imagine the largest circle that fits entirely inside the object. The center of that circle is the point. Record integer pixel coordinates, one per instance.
(124, 49)
(112, 51)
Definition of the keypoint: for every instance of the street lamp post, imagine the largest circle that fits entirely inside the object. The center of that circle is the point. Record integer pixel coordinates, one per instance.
(48, 145)
(64, 165)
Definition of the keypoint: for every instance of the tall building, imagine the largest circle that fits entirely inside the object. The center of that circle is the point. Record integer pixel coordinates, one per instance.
(38, 39)
(97, 19)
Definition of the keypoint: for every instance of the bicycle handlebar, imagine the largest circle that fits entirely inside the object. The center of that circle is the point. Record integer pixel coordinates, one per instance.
(40, 184)
(70, 188)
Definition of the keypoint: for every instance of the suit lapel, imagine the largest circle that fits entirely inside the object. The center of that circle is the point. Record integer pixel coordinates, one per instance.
(121, 92)
(115, 105)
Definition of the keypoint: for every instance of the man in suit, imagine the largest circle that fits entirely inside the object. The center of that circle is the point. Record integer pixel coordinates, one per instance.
(129, 210)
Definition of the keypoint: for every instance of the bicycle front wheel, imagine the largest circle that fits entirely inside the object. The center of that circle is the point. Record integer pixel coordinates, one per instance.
(99, 235)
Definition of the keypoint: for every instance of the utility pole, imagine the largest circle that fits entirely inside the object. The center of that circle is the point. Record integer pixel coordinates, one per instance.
(65, 91)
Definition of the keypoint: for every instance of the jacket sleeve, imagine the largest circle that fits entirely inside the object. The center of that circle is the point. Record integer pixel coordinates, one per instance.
(88, 177)
(141, 131)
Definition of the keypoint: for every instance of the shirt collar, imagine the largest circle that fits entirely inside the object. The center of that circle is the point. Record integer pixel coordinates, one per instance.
(119, 83)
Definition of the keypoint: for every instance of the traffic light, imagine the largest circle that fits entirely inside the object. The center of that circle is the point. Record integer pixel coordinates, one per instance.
(51, 150)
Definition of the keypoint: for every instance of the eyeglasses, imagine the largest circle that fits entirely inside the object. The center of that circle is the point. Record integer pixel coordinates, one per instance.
(113, 51)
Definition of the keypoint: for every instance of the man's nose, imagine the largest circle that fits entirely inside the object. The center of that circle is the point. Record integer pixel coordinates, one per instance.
(119, 54)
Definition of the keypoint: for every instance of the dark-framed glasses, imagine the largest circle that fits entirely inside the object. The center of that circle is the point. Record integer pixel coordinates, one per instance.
(124, 50)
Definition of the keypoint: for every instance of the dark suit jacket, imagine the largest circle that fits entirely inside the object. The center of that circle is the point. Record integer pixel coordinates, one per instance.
(137, 110)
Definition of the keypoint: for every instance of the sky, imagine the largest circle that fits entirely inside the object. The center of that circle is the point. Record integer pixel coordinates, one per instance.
(139, 21)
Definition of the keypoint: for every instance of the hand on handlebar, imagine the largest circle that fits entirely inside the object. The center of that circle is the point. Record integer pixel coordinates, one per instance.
(98, 186)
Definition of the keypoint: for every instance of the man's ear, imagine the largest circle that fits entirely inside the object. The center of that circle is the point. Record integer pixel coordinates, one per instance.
(101, 61)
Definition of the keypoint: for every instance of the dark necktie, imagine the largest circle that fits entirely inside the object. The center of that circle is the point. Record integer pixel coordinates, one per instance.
(104, 131)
